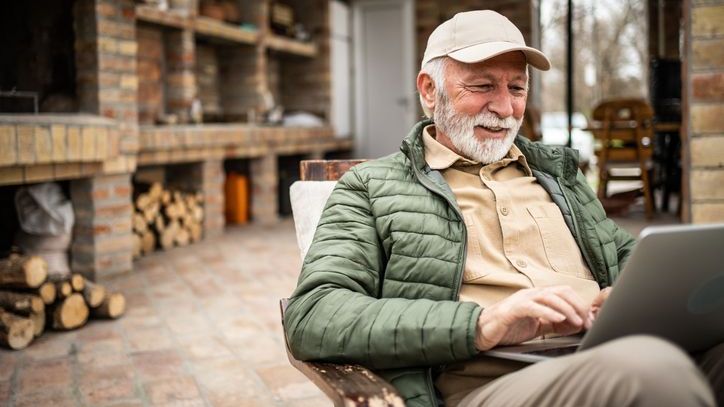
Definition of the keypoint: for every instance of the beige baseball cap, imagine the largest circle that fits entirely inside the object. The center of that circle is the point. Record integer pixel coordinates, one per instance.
(475, 36)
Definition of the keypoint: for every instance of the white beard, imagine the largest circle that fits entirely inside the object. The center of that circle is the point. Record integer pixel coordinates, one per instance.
(460, 129)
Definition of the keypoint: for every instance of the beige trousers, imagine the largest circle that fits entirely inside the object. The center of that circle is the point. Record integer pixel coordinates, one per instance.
(631, 371)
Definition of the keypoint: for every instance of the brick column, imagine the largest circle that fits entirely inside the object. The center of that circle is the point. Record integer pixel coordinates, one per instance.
(264, 185)
(180, 77)
(106, 51)
(102, 244)
(703, 111)
(212, 186)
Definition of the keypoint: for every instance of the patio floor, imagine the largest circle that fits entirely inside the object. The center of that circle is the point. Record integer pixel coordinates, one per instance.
(202, 329)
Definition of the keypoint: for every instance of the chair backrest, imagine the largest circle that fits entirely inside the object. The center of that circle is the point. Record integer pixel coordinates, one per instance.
(309, 195)
(531, 124)
(624, 119)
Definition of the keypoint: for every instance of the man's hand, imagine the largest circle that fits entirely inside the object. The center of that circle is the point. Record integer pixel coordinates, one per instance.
(530, 313)
(598, 303)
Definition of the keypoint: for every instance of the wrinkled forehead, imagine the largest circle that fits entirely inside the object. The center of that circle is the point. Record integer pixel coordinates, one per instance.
(511, 65)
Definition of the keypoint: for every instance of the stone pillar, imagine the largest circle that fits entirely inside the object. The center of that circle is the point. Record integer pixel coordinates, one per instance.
(106, 51)
(180, 77)
(703, 111)
(212, 186)
(102, 244)
(264, 189)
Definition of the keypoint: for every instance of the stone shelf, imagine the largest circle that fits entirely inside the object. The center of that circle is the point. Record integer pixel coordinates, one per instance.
(173, 19)
(219, 30)
(291, 46)
(185, 143)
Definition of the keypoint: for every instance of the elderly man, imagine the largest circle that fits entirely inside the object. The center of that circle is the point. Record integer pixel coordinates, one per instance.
(471, 238)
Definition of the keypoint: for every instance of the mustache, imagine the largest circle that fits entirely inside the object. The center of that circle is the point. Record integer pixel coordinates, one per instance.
(491, 120)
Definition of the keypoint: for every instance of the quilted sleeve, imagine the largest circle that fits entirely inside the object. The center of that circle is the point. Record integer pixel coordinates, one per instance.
(335, 314)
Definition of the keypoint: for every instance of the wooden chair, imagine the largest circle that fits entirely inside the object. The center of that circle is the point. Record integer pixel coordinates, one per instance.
(347, 385)
(531, 124)
(626, 136)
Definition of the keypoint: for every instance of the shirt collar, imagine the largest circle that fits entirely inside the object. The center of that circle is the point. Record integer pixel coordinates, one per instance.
(439, 157)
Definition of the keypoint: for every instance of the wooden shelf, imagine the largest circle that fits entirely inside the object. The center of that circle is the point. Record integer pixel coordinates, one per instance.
(290, 46)
(219, 30)
(153, 15)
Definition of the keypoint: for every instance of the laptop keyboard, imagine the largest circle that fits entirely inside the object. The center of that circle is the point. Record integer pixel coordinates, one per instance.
(553, 352)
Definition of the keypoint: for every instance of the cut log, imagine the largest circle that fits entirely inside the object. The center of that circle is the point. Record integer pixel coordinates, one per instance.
(21, 304)
(159, 224)
(137, 245)
(23, 271)
(113, 306)
(195, 232)
(38, 319)
(94, 294)
(168, 236)
(15, 332)
(63, 289)
(70, 313)
(150, 212)
(47, 292)
(143, 200)
(77, 281)
(182, 237)
(148, 242)
(140, 224)
(165, 197)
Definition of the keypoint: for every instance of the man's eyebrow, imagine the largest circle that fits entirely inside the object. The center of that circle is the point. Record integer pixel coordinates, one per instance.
(478, 76)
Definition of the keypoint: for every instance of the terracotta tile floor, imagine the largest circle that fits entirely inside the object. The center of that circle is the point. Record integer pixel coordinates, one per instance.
(202, 329)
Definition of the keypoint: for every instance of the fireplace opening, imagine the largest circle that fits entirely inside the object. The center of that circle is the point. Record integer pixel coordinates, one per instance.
(38, 65)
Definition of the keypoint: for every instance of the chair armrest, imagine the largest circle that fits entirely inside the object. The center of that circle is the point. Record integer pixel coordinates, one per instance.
(346, 385)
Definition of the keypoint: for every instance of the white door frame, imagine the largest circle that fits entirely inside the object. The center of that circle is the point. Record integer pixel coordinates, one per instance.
(360, 79)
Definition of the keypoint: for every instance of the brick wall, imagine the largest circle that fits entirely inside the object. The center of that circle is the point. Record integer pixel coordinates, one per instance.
(306, 82)
(180, 83)
(207, 79)
(150, 74)
(703, 115)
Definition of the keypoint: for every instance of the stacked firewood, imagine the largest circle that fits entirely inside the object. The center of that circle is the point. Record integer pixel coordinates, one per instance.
(165, 218)
(27, 295)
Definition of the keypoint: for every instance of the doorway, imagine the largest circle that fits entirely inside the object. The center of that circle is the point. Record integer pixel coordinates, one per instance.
(384, 75)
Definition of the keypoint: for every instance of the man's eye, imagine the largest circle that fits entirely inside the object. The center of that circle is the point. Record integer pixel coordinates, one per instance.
(483, 86)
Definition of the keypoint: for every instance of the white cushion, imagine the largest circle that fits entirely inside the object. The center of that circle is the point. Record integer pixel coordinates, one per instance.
(308, 199)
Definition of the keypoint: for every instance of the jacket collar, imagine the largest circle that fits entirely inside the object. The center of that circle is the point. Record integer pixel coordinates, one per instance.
(561, 162)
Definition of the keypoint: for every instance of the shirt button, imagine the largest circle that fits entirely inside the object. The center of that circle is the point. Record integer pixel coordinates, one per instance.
(521, 263)
(504, 211)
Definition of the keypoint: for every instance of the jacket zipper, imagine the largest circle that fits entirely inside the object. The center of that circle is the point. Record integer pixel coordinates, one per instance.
(432, 187)
(458, 277)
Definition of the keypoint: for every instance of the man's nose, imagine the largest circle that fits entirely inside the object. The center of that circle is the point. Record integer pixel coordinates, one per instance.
(501, 104)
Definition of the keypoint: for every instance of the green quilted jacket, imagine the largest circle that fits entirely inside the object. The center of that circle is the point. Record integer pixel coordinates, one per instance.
(379, 285)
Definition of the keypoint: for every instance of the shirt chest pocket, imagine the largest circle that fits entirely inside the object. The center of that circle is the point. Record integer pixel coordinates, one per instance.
(560, 248)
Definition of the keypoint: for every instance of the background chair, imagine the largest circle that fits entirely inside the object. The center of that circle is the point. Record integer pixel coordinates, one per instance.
(626, 135)
(531, 124)
(347, 385)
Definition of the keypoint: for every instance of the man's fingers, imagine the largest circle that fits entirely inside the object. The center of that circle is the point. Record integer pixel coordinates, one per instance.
(543, 312)
(559, 304)
(573, 299)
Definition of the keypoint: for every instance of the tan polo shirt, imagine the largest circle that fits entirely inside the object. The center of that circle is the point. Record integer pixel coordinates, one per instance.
(517, 238)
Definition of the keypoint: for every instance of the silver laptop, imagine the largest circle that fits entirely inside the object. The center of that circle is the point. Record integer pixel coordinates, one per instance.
(672, 287)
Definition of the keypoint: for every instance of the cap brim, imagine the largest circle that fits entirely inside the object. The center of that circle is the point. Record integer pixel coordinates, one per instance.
(481, 52)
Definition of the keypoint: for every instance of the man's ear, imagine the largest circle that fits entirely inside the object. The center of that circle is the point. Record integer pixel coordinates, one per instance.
(426, 88)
